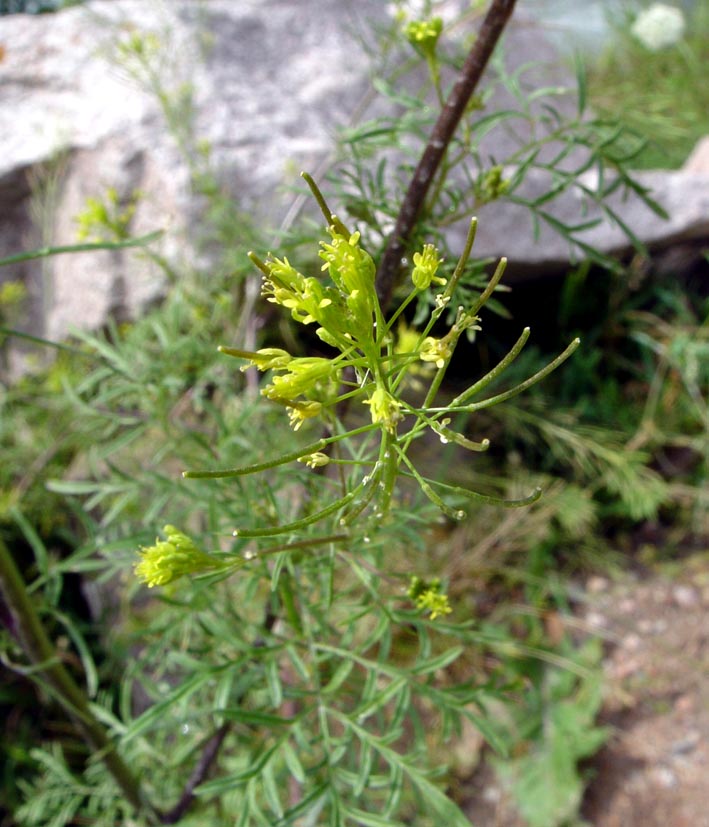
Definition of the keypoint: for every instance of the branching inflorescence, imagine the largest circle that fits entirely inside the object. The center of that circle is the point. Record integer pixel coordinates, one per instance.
(373, 359)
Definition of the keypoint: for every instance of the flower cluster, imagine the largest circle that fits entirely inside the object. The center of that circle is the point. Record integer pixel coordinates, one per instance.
(426, 264)
(374, 363)
(349, 318)
(169, 559)
(428, 597)
(352, 270)
(659, 26)
(424, 34)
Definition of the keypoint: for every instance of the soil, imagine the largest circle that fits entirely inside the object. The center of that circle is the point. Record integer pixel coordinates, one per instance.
(654, 770)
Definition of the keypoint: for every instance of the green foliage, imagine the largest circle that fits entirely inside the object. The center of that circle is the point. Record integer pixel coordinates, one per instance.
(555, 725)
(658, 94)
(599, 457)
(311, 627)
(106, 219)
(60, 796)
(676, 410)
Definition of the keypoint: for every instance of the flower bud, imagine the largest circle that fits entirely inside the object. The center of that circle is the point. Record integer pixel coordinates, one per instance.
(384, 409)
(425, 266)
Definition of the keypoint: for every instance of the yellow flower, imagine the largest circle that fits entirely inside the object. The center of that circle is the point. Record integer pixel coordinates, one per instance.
(428, 597)
(406, 339)
(169, 559)
(351, 268)
(435, 350)
(12, 293)
(426, 264)
(353, 271)
(424, 34)
(316, 460)
(268, 358)
(302, 376)
(384, 409)
(305, 297)
(298, 412)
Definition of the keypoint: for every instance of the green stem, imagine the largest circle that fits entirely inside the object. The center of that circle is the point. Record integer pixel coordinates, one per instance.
(490, 289)
(446, 434)
(302, 523)
(499, 368)
(43, 656)
(503, 397)
(330, 217)
(313, 448)
(407, 301)
(453, 513)
(388, 455)
(44, 252)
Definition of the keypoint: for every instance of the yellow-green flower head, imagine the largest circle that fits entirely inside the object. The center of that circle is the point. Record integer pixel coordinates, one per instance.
(316, 460)
(351, 267)
(169, 559)
(436, 604)
(269, 358)
(12, 292)
(424, 34)
(352, 270)
(298, 412)
(493, 185)
(305, 297)
(385, 409)
(426, 264)
(437, 351)
(428, 597)
(302, 376)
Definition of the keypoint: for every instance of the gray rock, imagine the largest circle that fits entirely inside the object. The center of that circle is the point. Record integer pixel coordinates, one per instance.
(268, 90)
(506, 229)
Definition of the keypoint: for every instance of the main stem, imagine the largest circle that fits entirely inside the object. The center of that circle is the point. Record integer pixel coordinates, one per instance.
(41, 653)
(492, 27)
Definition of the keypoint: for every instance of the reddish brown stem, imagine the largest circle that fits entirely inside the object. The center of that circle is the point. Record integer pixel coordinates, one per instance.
(492, 27)
(206, 759)
(209, 754)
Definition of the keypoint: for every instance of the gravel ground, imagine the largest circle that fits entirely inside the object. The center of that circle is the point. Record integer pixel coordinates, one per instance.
(654, 770)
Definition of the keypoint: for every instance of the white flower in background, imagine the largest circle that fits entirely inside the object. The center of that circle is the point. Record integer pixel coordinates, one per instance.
(659, 26)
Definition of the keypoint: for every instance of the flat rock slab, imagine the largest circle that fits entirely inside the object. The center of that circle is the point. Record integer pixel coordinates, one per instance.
(507, 229)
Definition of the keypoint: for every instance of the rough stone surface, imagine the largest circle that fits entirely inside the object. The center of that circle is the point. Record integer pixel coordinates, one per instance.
(269, 90)
(653, 770)
(506, 228)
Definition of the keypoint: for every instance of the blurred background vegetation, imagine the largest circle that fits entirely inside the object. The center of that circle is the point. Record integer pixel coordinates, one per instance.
(619, 439)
